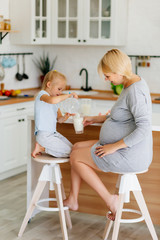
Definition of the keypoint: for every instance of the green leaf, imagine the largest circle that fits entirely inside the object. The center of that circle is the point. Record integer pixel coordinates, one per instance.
(44, 63)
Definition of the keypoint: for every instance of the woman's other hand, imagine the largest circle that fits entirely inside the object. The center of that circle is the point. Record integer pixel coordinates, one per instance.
(87, 121)
(101, 151)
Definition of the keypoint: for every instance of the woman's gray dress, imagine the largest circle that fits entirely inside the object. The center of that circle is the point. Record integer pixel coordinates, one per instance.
(130, 120)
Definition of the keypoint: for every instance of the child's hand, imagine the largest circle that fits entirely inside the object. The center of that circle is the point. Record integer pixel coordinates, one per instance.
(65, 117)
(74, 94)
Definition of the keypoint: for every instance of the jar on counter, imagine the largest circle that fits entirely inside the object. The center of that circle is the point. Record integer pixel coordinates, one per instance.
(1, 23)
(7, 24)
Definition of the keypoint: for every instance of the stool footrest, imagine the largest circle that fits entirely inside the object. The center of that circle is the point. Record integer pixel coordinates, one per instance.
(133, 220)
(48, 209)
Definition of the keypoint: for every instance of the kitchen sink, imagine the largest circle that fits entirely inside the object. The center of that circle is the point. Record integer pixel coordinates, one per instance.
(80, 92)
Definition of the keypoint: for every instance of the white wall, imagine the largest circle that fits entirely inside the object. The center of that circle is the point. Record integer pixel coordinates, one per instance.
(143, 38)
(10, 80)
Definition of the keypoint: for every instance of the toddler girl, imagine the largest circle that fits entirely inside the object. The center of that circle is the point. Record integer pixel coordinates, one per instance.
(47, 114)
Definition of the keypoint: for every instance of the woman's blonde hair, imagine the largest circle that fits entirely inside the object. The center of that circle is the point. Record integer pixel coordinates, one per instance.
(115, 61)
(54, 77)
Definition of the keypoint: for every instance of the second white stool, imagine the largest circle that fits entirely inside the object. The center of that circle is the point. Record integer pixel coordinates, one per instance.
(50, 173)
(126, 183)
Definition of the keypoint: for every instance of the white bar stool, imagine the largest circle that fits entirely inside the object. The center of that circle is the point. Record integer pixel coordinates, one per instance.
(126, 183)
(50, 173)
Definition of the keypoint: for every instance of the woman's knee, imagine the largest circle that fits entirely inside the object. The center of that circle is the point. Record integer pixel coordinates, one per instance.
(73, 157)
(76, 146)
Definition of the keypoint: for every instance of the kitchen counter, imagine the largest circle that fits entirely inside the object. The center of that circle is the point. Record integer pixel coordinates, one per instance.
(101, 95)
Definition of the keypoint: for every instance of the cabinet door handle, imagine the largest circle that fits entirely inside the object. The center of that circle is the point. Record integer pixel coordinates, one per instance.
(20, 109)
(84, 40)
(23, 119)
(79, 40)
(19, 120)
(34, 40)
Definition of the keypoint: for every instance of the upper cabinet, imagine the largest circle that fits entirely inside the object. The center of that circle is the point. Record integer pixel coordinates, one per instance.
(32, 19)
(74, 22)
(89, 22)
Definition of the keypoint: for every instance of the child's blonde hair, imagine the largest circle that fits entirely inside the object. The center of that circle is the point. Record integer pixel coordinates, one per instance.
(54, 77)
(115, 61)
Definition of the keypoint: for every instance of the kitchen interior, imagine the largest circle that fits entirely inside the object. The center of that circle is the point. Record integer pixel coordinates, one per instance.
(74, 34)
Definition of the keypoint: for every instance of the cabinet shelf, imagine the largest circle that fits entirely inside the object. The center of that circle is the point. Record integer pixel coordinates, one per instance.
(5, 34)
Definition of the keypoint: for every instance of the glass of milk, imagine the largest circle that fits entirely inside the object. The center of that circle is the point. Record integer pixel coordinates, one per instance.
(78, 124)
(86, 106)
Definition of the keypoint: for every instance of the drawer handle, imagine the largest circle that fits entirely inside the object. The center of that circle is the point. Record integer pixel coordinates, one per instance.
(20, 109)
(21, 120)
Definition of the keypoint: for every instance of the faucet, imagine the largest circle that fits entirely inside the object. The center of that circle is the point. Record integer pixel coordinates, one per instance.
(86, 88)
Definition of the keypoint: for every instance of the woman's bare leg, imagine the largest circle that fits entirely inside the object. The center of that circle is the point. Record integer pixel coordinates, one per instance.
(72, 200)
(83, 166)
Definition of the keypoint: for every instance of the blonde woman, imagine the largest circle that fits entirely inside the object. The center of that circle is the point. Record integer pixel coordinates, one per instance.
(125, 142)
(47, 113)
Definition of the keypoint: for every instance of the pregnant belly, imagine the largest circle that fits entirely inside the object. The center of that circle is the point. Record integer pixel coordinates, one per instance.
(113, 131)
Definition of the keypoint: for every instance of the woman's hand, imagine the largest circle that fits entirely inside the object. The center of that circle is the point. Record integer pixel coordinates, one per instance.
(104, 150)
(87, 121)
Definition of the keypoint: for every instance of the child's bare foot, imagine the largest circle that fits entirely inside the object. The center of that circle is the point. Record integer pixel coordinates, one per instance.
(113, 208)
(37, 150)
(69, 202)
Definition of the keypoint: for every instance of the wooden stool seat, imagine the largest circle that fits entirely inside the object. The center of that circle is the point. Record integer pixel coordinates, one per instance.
(126, 183)
(50, 173)
(45, 158)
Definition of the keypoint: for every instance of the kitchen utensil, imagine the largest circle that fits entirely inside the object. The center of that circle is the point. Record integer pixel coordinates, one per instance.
(19, 76)
(11, 62)
(5, 62)
(71, 105)
(25, 76)
(2, 73)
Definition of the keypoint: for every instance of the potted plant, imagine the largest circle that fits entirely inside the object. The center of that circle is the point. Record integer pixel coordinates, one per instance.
(44, 64)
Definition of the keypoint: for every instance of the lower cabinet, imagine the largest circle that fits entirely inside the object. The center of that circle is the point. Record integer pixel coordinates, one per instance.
(13, 138)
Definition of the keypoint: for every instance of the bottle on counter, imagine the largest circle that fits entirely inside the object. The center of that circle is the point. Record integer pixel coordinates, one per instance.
(7, 24)
(1, 22)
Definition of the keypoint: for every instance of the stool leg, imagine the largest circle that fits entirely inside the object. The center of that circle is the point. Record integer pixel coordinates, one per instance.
(107, 229)
(37, 193)
(67, 214)
(118, 217)
(143, 207)
(61, 210)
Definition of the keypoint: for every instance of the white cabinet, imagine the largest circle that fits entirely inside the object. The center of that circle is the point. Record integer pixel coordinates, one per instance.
(13, 138)
(32, 20)
(75, 22)
(89, 22)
